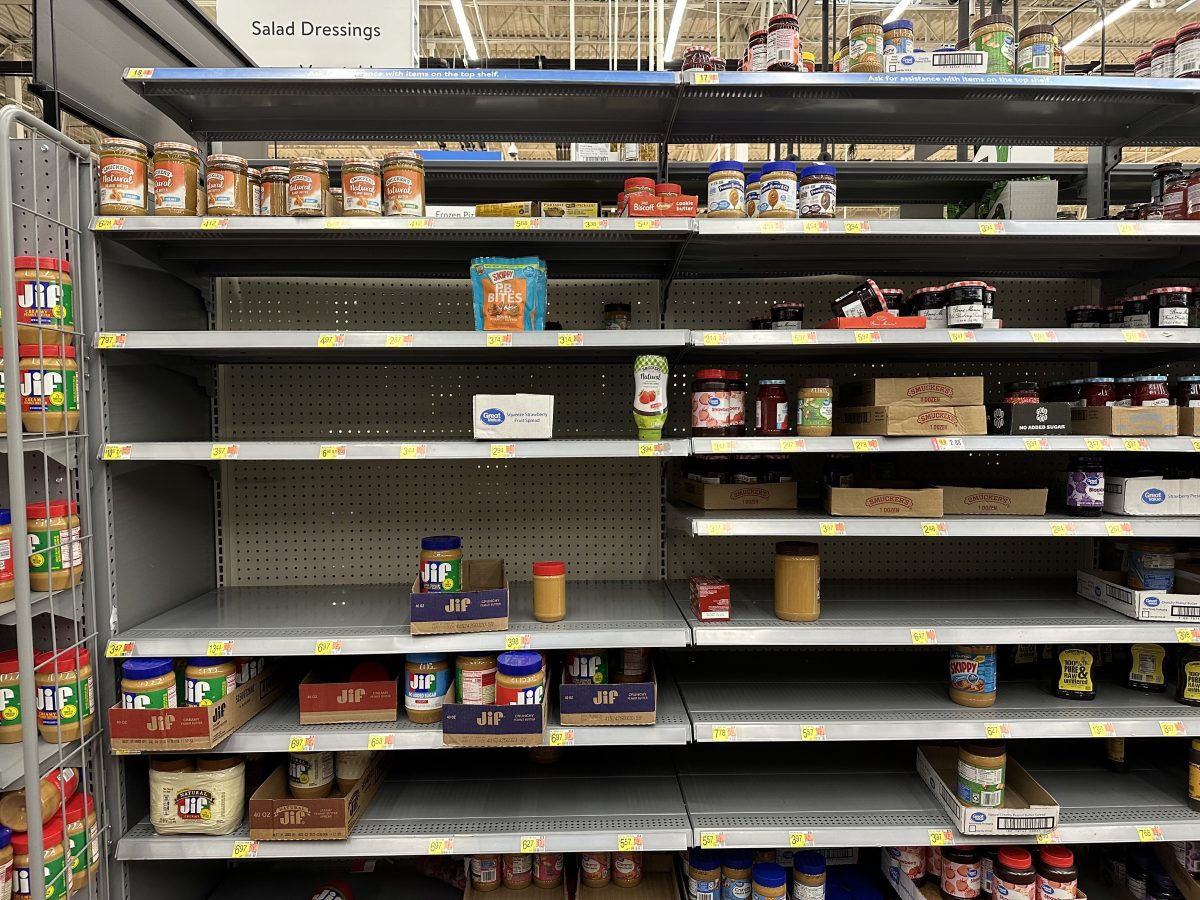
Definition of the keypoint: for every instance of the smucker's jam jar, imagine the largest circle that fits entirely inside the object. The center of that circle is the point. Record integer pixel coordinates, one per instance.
(1099, 392)
(1168, 306)
(1086, 316)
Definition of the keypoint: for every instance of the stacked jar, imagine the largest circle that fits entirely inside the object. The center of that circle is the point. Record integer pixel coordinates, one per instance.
(994, 37)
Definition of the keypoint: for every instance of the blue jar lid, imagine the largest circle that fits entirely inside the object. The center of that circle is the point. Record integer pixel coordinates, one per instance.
(898, 23)
(782, 166)
(1100, 380)
(769, 875)
(5, 516)
(5, 836)
(203, 662)
(809, 863)
(141, 669)
(818, 169)
(704, 860)
(1126, 380)
(751, 178)
(736, 859)
(519, 662)
(728, 165)
(425, 658)
(442, 542)
(1185, 379)
(772, 381)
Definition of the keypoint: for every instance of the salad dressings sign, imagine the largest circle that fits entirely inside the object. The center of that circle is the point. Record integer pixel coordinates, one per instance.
(347, 34)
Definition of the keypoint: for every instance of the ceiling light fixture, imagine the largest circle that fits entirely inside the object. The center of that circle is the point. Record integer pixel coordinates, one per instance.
(460, 17)
(673, 31)
(900, 7)
(1123, 10)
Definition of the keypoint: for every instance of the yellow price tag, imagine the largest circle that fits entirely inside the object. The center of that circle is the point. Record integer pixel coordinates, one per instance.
(418, 223)
(329, 341)
(934, 529)
(713, 338)
(711, 840)
(533, 844)
(223, 451)
(110, 340)
(629, 843)
(398, 340)
(1101, 729)
(1134, 445)
(646, 448)
(412, 451)
(118, 649)
(993, 731)
(502, 451)
(864, 445)
(812, 732)
(244, 850)
(958, 336)
(832, 529)
(516, 642)
(1049, 837)
(381, 741)
(1172, 729)
(800, 839)
(1096, 444)
(866, 337)
(497, 340)
(331, 451)
(767, 226)
(723, 733)
(219, 648)
(327, 648)
(116, 451)
(804, 337)
(523, 224)
(441, 846)
(1134, 335)
(791, 445)
(1129, 228)
(594, 224)
(707, 77)
(858, 227)
(1187, 635)
(110, 223)
(1196, 444)
(942, 838)
(1044, 337)
(949, 444)
(991, 228)
(562, 737)
(570, 339)
(646, 224)
(722, 446)
(1118, 529)
(923, 635)
(1033, 444)
(139, 73)
(1149, 833)
(815, 226)
(716, 529)
(212, 224)
(333, 223)
(1062, 529)
(301, 743)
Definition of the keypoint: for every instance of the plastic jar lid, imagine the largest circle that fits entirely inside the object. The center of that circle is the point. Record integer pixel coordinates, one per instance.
(698, 48)
(818, 170)
(814, 383)
(1031, 30)
(961, 284)
(667, 188)
(1015, 857)
(634, 183)
(33, 350)
(896, 24)
(1189, 379)
(5, 517)
(518, 662)
(795, 548)
(52, 835)
(144, 669)
(775, 381)
(711, 375)
(781, 18)
(275, 170)
(780, 166)
(42, 262)
(550, 568)
(53, 509)
(425, 659)
(9, 663)
(1168, 290)
(66, 661)
(1101, 380)
(809, 863)
(769, 875)
(79, 806)
(992, 20)
(1189, 28)
(1059, 857)
(736, 859)
(6, 837)
(1162, 45)
(1152, 379)
(1142, 59)
(442, 542)
(310, 161)
(728, 165)
(175, 145)
(866, 20)
(733, 374)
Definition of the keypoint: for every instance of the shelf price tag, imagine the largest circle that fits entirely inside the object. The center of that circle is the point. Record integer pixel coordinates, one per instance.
(767, 226)
(652, 448)
(327, 648)
(800, 839)
(209, 223)
(711, 840)
(1049, 837)
(502, 451)
(244, 850)
(804, 337)
(114, 452)
(418, 223)
(1149, 833)
(381, 741)
(1187, 635)
(497, 339)
(1196, 444)
(994, 730)
(1134, 445)
(525, 224)
(921, 636)
(532, 844)
(864, 445)
(647, 224)
(595, 224)
(856, 227)
(110, 340)
(441, 846)
(570, 339)
(1119, 529)
(412, 451)
(139, 73)
(223, 451)
(708, 77)
(934, 529)
(1096, 444)
(958, 336)
(302, 743)
(866, 337)
(714, 338)
(1033, 444)
(517, 642)
(718, 529)
(816, 226)
(398, 340)
(1134, 335)
(1102, 729)
(832, 529)
(330, 341)
(109, 223)
(629, 843)
(1062, 529)
(724, 733)
(118, 649)
(1172, 729)
(561, 737)
(333, 223)
(331, 451)
(722, 447)
(1127, 229)
(941, 838)
(1044, 337)
(949, 444)
(990, 228)
(812, 732)
(791, 445)
(219, 648)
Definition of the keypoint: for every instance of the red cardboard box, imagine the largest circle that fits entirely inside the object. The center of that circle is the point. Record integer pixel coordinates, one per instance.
(683, 206)
(872, 323)
(710, 599)
(330, 702)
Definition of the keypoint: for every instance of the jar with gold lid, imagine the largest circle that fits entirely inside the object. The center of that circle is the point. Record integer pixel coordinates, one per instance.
(308, 186)
(123, 168)
(228, 185)
(176, 179)
(274, 200)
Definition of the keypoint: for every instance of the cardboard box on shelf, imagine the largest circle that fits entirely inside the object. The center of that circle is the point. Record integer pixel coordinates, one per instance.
(482, 604)
(1028, 807)
(1125, 420)
(910, 419)
(506, 893)
(192, 727)
(275, 815)
(658, 883)
(780, 495)
(910, 890)
(683, 206)
(493, 725)
(710, 598)
(634, 703)
(1170, 862)
(1189, 421)
(513, 417)
(901, 500)
(1029, 418)
(554, 209)
(1150, 495)
(1108, 589)
(955, 390)
(958, 62)
(331, 702)
(993, 501)
(878, 322)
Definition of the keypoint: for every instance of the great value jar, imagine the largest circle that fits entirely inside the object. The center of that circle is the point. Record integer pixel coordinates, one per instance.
(1035, 52)
(49, 389)
(66, 695)
(981, 775)
(994, 37)
(55, 544)
(866, 44)
(726, 190)
(45, 300)
(769, 882)
(898, 36)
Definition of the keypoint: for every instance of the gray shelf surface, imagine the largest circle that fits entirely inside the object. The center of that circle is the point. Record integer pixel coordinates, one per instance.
(374, 619)
(486, 812)
(63, 603)
(415, 450)
(760, 710)
(270, 730)
(12, 766)
(808, 522)
(857, 809)
(1077, 443)
(452, 347)
(383, 883)
(886, 613)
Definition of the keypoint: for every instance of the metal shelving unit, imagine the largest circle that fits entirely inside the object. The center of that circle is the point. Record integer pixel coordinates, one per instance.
(1077, 443)
(334, 450)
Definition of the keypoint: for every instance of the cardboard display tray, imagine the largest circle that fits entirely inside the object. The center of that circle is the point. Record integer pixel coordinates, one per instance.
(275, 815)
(634, 703)
(899, 501)
(1125, 420)
(1028, 807)
(735, 496)
(1189, 421)
(1108, 589)
(933, 390)
(993, 501)
(336, 702)
(493, 725)
(482, 605)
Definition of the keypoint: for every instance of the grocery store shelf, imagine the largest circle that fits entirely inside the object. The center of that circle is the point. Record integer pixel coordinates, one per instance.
(888, 613)
(841, 808)
(66, 603)
(374, 619)
(810, 710)
(270, 730)
(934, 109)
(395, 246)
(415, 450)
(808, 522)
(450, 347)
(12, 766)
(382, 883)
(1054, 342)
(481, 809)
(973, 443)
(732, 248)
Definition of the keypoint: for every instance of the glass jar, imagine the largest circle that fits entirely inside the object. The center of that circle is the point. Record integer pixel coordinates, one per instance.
(308, 186)
(1099, 392)
(777, 191)
(757, 50)
(1021, 392)
(747, 469)
(1168, 306)
(1191, 190)
(66, 695)
(929, 302)
(122, 178)
(726, 190)
(787, 314)
(55, 545)
(254, 179)
(737, 402)
(227, 185)
(1125, 386)
(1136, 311)
(1162, 58)
(1187, 391)
(893, 299)
(814, 407)
(866, 44)
(711, 400)
(550, 591)
(520, 678)
(994, 37)
(1085, 316)
(898, 36)
(617, 316)
(403, 184)
(1114, 316)
(1159, 177)
(1151, 390)
(816, 192)
(964, 304)
(696, 59)
(274, 191)
(1035, 52)
(176, 179)
(1085, 486)
(45, 300)
(783, 43)
(1186, 63)
(771, 409)
(362, 187)
(1174, 201)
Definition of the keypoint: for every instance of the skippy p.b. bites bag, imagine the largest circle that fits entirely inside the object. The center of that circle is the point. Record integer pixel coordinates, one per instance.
(510, 294)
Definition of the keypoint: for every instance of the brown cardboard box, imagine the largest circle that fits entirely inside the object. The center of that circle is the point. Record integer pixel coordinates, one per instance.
(658, 883)
(989, 501)
(332, 702)
(949, 391)
(1189, 421)
(1125, 420)
(1028, 807)
(505, 893)
(481, 605)
(632, 703)
(275, 815)
(550, 208)
(910, 418)
(493, 725)
(1186, 884)
(901, 500)
(192, 727)
(735, 496)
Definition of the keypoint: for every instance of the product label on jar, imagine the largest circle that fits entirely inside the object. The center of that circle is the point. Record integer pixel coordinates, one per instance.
(961, 879)
(305, 193)
(6, 560)
(964, 315)
(783, 47)
(710, 409)
(171, 187)
(999, 48)
(650, 386)
(64, 703)
(362, 193)
(1085, 490)
(485, 870)
(1190, 674)
(751, 202)
(476, 686)
(1147, 660)
(402, 196)
(75, 536)
(518, 870)
(1056, 890)
(1085, 325)
(897, 44)
(587, 668)
(6, 876)
(802, 891)
(817, 200)
(737, 407)
(726, 194)
(1174, 199)
(972, 673)
(438, 575)
(123, 180)
(780, 419)
(425, 691)
(164, 698)
(1162, 66)
(547, 867)
(54, 874)
(595, 866)
(1174, 316)
(814, 412)
(45, 303)
(979, 786)
(49, 390)
(255, 198)
(626, 866)
(776, 194)
(77, 851)
(10, 703)
(222, 189)
(1008, 890)
(310, 770)
(986, 871)
(46, 550)
(264, 200)
(736, 888)
(1075, 671)
(935, 318)
(705, 889)
(758, 57)
(207, 691)
(1187, 58)
(1035, 59)
(933, 861)
(911, 860)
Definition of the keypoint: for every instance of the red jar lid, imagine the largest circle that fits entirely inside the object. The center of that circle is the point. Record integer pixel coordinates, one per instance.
(65, 661)
(634, 183)
(782, 18)
(1163, 44)
(1143, 58)
(1189, 28)
(959, 284)
(711, 375)
(549, 568)
(42, 262)
(8, 662)
(51, 509)
(1059, 857)
(733, 374)
(34, 351)
(667, 188)
(79, 806)
(1015, 857)
(52, 836)
(1168, 290)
